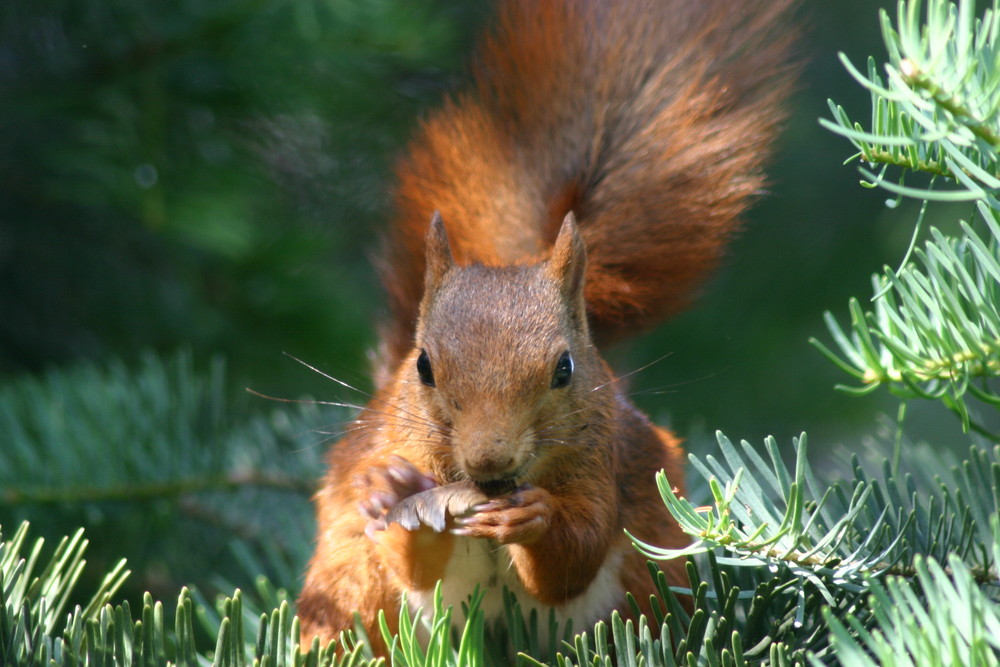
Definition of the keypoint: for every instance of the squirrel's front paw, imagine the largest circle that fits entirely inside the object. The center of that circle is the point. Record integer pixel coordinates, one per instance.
(522, 517)
(435, 507)
(383, 487)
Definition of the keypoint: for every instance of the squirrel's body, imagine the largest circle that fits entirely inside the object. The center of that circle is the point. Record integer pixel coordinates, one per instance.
(583, 565)
(587, 181)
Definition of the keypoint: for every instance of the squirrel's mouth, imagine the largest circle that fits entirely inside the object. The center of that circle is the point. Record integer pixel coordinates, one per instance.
(496, 487)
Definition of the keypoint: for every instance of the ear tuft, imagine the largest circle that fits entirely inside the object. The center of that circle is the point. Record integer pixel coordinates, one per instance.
(438, 257)
(568, 262)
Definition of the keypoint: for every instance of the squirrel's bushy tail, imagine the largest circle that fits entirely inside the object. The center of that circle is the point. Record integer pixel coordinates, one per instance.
(649, 119)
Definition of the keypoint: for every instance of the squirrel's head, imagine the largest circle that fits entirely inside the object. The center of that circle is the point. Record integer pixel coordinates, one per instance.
(504, 359)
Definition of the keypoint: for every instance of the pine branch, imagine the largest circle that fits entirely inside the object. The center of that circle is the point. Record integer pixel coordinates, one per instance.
(34, 600)
(140, 491)
(761, 607)
(937, 108)
(953, 620)
(161, 467)
(935, 329)
(838, 536)
(934, 332)
(162, 430)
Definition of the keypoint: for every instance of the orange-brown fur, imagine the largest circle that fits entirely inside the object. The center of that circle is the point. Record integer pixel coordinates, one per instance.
(650, 119)
(647, 120)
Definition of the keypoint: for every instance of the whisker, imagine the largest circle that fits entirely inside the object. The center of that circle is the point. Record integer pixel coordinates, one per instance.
(680, 383)
(413, 420)
(557, 421)
(297, 400)
(342, 383)
(335, 404)
(654, 391)
(551, 441)
(556, 427)
(331, 434)
(570, 440)
(633, 372)
(347, 385)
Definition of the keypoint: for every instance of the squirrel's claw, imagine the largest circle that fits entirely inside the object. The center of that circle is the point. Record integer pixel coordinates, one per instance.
(435, 506)
(522, 517)
(405, 478)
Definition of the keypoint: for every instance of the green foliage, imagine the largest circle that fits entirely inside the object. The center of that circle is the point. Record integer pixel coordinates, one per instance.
(935, 329)
(816, 575)
(156, 423)
(103, 634)
(951, 621)
(34, 601)
(807, 564)
(157, 461)
(183, 173)
(841, 534)
(937, 110)
(842, 540)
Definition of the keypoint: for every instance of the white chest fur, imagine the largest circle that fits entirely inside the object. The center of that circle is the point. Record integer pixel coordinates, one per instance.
(480, 562)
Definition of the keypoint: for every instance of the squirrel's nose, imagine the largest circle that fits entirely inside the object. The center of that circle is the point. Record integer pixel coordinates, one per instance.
(489, 467)
(486, 459)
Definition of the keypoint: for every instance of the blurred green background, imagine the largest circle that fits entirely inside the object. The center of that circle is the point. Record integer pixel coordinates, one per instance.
(213, 177)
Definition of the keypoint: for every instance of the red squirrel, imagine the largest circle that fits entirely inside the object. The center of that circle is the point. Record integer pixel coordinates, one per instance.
(578, 191)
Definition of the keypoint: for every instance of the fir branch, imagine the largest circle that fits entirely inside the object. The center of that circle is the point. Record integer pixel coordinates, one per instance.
(950, 101)
(837, 537)
(937, 328)
(936, 109)
(164, 490)
(34, 597)
(746, 610)
(157, 462)
(952, 621)
(874, 155)
(162, 430)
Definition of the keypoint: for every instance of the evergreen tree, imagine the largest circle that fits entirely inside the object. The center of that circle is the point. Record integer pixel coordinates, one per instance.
(894, 562)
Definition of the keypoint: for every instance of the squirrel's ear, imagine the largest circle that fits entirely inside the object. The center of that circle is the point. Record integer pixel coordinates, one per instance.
(568, 262)
(437, 255)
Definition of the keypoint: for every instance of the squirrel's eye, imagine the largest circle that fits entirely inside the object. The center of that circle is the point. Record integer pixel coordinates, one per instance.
(424, 369)
(563, 372)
